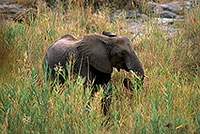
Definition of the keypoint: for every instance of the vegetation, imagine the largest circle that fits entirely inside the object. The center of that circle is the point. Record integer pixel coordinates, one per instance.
(169, 102)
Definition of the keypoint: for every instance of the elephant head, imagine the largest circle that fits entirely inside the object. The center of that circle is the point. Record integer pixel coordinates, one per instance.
(105, 52)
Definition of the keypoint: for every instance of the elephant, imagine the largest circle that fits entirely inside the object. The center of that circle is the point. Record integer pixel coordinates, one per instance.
(94, 56)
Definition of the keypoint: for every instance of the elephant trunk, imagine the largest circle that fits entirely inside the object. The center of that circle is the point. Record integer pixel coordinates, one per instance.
(133, 64)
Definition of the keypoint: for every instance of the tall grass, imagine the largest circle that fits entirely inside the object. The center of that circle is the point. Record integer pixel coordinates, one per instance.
(168, 102)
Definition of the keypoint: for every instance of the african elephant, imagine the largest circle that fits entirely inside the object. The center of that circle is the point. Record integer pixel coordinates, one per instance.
(95, 57)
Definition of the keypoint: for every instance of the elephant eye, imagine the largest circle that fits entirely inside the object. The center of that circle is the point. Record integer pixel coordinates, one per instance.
(121, 53)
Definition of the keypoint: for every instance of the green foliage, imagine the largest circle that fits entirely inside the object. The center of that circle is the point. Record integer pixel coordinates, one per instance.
(168, 102)
(7, 48)
(192, 34)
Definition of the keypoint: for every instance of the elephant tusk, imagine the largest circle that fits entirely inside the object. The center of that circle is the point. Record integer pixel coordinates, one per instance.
(146, 76)
(135, 75)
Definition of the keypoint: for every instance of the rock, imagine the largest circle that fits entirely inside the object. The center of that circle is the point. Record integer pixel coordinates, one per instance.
(132, 17)
(140, 18)
(169, 10)
(188, 4)
(115, 14)
(5, 2)
(167, 14)
(136, 29)
(131, 14)
(109, 34)
(174, 7)
(154, 7)
(167, 21)
(9, 10)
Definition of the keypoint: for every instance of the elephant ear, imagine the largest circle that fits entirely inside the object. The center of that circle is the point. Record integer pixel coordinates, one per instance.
(95, 49)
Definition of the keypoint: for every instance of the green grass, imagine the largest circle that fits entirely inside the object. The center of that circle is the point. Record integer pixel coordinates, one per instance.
(168, 103)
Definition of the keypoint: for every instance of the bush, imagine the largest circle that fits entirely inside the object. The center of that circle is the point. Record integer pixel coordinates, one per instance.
(8, 50)
(191, 29)
(168, 102)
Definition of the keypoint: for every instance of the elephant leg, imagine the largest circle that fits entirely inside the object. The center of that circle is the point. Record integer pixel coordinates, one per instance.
(106, 100)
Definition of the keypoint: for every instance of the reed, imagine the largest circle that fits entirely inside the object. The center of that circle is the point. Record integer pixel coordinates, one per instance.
(168, 102)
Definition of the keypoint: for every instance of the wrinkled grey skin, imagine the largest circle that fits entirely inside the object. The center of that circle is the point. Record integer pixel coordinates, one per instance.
(95, 57)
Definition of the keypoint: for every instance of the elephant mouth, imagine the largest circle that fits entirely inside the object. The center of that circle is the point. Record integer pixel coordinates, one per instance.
(121, 66)
(138, 74)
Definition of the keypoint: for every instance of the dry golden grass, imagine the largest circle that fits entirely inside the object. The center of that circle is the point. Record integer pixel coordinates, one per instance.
(26, 3)
(168, 102)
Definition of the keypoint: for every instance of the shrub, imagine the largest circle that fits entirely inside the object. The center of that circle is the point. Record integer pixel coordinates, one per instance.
(191, 29)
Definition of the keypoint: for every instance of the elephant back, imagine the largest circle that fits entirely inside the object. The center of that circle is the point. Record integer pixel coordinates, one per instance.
(60, 51)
